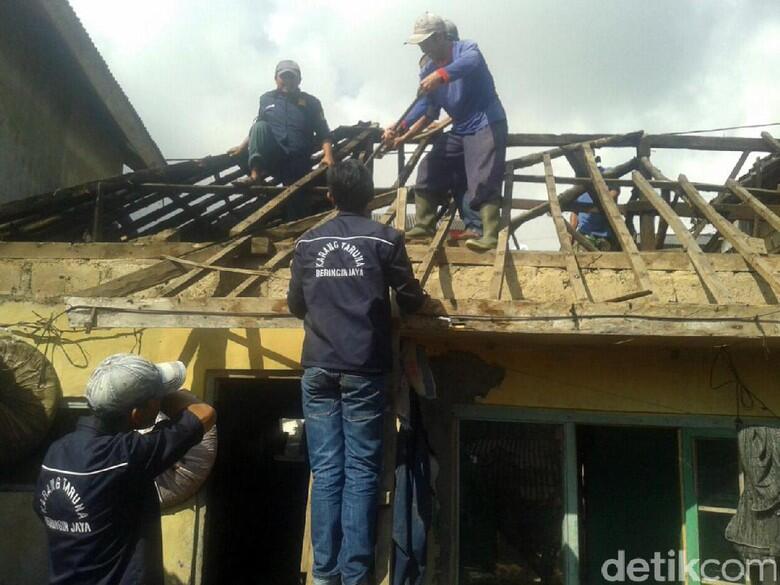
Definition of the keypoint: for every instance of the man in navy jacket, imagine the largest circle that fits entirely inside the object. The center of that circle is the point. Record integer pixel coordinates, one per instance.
(341, 275)
(96, 493)
(469, 160)
(289, 127)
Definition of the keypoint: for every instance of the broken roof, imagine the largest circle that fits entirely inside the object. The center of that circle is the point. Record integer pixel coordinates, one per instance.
(60, 17)
(729, 288)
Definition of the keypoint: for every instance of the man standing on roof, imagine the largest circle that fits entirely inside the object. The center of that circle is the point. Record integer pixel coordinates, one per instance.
(468, 160)
(289, 127)
(342, 273)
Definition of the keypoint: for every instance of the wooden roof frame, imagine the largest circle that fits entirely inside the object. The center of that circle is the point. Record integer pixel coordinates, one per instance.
(198, 197)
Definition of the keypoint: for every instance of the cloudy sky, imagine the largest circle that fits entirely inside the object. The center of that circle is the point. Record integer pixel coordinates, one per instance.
(194, 68)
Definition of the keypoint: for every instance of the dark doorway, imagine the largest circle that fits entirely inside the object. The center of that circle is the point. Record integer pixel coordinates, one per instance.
(629, 497)
(257, 496)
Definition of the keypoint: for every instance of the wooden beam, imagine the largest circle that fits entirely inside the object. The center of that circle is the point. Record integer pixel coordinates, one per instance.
(178, 313)
(96, 251)
(663, 322)
(401, 200)
(699, 260)
(691, 142)
(216, 268)
(610, 209)
(665, 261)
(425, 267)
(761, 210)
(618, 322)
(660, 236)
(657, 184)
(185, 280)
(572, 268)
(699, 226)
(770, 141)
(276, 203)
(499, 266)
(733, 236)
(738, 166)
(146, 277)
(632, 138)
(275, 262)
(259, 246)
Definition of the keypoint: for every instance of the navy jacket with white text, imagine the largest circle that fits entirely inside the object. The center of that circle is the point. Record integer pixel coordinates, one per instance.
(341, 275)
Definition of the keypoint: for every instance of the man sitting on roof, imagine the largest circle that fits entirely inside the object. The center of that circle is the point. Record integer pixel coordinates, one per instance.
(592, 223)
(282, 138)
(468, 160)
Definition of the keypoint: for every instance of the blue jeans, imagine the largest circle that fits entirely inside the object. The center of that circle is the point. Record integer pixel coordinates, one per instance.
(344, 435)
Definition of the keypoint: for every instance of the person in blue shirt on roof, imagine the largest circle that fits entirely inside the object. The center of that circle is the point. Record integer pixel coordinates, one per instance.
(290, 126)
(96, 494)
(593, 224)
(469, 160)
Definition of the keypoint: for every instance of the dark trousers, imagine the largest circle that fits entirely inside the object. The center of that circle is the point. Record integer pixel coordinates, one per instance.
(470, 166)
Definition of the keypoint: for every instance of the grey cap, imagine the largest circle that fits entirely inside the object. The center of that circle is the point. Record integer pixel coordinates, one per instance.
(124, 381)
(426, 26)
(452, 30)
(287, 66)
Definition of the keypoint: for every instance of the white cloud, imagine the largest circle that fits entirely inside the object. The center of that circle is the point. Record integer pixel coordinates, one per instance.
(194, 69)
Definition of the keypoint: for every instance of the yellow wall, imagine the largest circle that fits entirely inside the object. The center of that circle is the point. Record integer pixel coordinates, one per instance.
(599, 378)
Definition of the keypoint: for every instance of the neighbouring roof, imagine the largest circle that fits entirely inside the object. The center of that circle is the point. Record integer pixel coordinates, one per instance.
(65, 23)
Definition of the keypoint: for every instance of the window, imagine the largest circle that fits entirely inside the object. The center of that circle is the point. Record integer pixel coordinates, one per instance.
(511, 503)
(711, 482)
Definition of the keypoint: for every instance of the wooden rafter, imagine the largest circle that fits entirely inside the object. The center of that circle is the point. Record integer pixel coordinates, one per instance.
(616, 221)
(771, 141)
(698, 259)
(761, 210)
(572, 268)
(425, 267)
(736, 238)
(192, 276)
(146, 277)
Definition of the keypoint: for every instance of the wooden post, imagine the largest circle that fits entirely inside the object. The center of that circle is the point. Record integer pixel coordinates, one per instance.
(97, 218)
(572, 268)
(499, 265)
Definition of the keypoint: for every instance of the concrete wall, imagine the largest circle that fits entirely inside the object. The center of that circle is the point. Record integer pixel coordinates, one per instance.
(53, 131)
